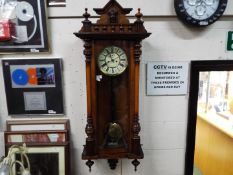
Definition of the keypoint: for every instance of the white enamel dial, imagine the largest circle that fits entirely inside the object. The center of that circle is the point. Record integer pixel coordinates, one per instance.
(201, 9)
(112, 61)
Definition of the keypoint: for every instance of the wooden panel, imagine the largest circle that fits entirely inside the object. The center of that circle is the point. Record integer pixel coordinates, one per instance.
(213, 150)
(112, 91)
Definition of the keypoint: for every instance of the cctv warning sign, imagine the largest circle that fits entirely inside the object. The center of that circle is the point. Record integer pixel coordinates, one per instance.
(167, 78)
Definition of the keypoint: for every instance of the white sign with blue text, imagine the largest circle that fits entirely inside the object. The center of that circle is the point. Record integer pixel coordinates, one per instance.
(167, 78)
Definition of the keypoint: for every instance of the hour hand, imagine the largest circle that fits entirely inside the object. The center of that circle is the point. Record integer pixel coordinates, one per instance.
(112, 58)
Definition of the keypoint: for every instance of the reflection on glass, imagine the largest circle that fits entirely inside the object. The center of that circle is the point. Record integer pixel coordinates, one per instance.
(214, 92)
(192, 2)
(214, 128)
(56, 3)
(43, 164)
(209, 2)
(200, 10)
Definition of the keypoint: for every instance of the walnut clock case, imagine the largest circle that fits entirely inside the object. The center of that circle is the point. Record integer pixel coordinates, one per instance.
(200, 12)
(112, 50)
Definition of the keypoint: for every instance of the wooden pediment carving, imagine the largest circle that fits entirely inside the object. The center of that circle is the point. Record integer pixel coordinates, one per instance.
(113, 23)
(112, 13)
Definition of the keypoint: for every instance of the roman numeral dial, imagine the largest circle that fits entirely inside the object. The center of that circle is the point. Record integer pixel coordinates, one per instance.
(112, 61)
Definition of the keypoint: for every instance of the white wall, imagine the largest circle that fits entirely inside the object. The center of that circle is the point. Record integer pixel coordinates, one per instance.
(163, 118)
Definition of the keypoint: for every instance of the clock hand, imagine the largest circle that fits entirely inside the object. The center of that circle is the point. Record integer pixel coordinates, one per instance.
(112, 59)
(208, 4)
(199, 2)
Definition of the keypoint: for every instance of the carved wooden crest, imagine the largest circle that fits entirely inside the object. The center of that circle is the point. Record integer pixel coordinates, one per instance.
(113, 21)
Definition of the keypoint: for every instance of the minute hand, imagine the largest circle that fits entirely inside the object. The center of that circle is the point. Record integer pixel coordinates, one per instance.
(208, 4)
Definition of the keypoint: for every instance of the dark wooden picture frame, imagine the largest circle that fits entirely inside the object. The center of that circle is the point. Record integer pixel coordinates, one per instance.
(33, 86)
(196, 68)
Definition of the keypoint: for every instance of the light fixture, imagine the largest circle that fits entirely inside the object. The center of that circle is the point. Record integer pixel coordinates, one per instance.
(7, 163)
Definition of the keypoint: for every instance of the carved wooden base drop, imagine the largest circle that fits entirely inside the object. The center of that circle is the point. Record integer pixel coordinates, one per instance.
(112, 163)
(135, 162)
(89, 163)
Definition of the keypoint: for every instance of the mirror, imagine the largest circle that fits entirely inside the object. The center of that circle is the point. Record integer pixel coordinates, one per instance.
(209, 148)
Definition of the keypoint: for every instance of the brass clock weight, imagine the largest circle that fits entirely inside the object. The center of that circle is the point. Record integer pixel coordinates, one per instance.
(112, 48)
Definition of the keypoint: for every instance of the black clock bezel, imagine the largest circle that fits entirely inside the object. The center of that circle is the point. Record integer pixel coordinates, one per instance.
(187, 19)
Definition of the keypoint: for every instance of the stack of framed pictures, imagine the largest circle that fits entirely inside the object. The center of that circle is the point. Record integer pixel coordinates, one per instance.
(47, 144)
(33, 86)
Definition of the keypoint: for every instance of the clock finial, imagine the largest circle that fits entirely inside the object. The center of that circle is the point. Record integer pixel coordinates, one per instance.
(139, 15)
(86, 22)
(86, 15)
(139, 23)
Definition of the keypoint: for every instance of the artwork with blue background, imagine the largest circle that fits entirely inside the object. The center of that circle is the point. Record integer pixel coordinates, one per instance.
(32, 76)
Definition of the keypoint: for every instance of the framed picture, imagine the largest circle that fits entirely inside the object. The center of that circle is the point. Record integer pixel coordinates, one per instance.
(56, 3)
(33, 86)
(23, 26)
(39, 137)
(45, 160)
(37, 125)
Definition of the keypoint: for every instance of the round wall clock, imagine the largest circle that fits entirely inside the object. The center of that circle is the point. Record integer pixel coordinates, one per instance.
(112, 61)
(200, 12)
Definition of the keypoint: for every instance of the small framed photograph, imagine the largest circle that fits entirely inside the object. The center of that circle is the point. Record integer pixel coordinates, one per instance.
(23, 26)
(37, 125)
(45, 160)
(33, 86)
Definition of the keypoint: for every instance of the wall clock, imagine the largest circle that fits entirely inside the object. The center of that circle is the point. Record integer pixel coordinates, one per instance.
(112, 61)
(200, 12)
(112, 48)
